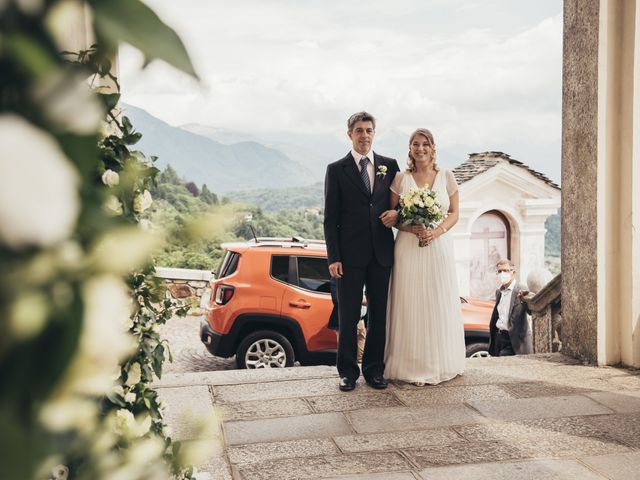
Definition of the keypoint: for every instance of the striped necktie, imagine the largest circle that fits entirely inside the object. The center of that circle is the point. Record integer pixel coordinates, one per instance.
(364, 174)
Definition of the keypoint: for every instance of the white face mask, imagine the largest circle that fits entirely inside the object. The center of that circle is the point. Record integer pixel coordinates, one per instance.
(505, 277)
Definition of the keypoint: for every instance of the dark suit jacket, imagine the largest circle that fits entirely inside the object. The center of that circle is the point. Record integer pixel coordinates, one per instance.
(352, 229)
(519, 327)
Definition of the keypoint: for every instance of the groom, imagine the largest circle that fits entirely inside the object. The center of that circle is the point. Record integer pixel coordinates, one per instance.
(357, 230)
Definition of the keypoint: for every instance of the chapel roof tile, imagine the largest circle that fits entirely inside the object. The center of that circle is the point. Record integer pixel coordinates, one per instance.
(481, 162)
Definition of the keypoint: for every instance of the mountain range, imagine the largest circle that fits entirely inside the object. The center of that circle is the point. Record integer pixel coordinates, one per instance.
(246, 164)
(227, 160)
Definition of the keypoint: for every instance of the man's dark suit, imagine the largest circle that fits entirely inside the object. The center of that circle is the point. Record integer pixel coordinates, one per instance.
(356, 236)
(519, 328)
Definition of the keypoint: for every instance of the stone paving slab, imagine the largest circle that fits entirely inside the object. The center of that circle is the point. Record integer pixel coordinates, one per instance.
(374, 476)
(529, 470)
(239, 377)
(262, 452)
(450, 395)
(260, 409)
(355, 400)
(535, 359)
(542, 407)
(286, 428)
(464, 452)
(215, 468)
(538, 442)
(618, 402)
(326, 466)
(411, 418)
(276, 390)
(186, 409)
(395, 440)
(616, 467)
(469, 377)
(544, 389)
(621, 427)
(568, 427)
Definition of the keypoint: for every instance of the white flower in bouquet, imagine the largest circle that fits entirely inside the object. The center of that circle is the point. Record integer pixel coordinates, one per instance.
(38, 186)
(421, 207)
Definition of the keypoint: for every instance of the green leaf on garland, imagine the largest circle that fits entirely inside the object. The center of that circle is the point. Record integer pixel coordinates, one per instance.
(133, 22)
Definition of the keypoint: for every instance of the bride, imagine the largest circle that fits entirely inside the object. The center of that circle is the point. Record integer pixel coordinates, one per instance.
(425, 332)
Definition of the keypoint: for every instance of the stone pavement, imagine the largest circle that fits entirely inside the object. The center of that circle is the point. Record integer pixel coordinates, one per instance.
(536, 417)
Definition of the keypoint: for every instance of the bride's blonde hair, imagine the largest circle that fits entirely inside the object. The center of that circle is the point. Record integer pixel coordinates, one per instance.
(411, 164)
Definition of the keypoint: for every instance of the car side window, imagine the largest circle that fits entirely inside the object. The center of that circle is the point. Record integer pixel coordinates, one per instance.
(280, 267)
(313, 274)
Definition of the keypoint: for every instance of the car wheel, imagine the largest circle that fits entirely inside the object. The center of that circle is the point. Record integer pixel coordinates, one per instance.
(478, 350)
(265, 349)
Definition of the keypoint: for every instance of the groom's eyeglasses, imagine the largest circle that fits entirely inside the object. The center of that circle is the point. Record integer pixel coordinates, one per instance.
(502, 270)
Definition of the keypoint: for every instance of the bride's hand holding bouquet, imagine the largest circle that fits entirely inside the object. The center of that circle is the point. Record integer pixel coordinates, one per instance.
(420, 209)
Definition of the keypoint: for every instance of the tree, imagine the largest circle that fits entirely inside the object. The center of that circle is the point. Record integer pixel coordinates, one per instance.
(169, 175)
(208, 196)
(192, 188)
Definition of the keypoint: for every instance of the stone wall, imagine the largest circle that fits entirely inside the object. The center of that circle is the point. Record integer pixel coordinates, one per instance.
(546, 316)
(186, 285)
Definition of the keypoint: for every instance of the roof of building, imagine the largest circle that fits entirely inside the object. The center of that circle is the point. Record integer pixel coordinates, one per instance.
(481, 162)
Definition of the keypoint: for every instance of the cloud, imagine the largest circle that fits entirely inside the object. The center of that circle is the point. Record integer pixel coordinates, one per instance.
(305, 66)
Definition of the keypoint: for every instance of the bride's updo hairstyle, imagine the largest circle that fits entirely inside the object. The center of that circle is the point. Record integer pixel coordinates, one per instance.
(411, 164)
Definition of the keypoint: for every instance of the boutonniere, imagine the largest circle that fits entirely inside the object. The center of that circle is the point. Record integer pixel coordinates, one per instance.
(382, 171)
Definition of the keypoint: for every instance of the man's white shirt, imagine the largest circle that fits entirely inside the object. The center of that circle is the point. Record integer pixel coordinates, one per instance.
(503, 306)
(370, 166)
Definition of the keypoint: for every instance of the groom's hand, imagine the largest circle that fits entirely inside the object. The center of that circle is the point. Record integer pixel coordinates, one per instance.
(389, 218)
(335, 269)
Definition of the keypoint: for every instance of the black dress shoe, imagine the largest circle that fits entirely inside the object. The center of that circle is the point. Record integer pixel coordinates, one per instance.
(377, 382)
(347, 384)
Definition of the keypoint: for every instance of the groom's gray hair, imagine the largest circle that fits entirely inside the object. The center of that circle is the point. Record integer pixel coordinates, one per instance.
(360, 117)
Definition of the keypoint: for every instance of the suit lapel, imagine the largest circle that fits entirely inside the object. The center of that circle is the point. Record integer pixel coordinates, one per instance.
(351, 171)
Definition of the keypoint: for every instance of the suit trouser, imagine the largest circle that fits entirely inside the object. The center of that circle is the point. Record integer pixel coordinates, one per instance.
(376, 279)
(503, 344)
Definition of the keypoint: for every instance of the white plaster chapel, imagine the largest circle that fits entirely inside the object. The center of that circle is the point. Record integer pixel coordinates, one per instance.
(503, 208)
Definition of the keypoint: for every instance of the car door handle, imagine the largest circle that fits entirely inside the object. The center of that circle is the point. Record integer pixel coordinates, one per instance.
(300, 304)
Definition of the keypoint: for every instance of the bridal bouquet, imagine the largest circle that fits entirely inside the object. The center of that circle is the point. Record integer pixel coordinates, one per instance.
(421, 207)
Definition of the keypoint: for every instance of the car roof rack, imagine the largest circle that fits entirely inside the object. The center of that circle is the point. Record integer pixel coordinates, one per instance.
(294, 239)
(291, 242)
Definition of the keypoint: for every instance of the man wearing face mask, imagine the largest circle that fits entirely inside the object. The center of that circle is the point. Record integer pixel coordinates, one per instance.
(510, 331)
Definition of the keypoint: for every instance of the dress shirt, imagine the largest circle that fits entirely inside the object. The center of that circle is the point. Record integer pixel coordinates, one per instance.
(370, 166)
(503, 306)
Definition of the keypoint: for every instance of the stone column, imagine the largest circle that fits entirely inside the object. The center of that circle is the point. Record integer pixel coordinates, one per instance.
(534, 213)
(600, 181)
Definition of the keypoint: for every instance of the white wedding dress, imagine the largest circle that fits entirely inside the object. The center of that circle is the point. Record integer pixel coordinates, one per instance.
(425, 331)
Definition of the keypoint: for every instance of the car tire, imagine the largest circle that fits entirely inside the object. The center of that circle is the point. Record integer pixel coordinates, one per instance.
(265, 349)
(478, 350)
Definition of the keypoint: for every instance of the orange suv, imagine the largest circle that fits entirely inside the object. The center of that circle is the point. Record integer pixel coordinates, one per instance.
(270, 304)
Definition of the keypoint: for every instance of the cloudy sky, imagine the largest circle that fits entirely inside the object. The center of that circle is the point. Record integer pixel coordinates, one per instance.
(481, 74)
